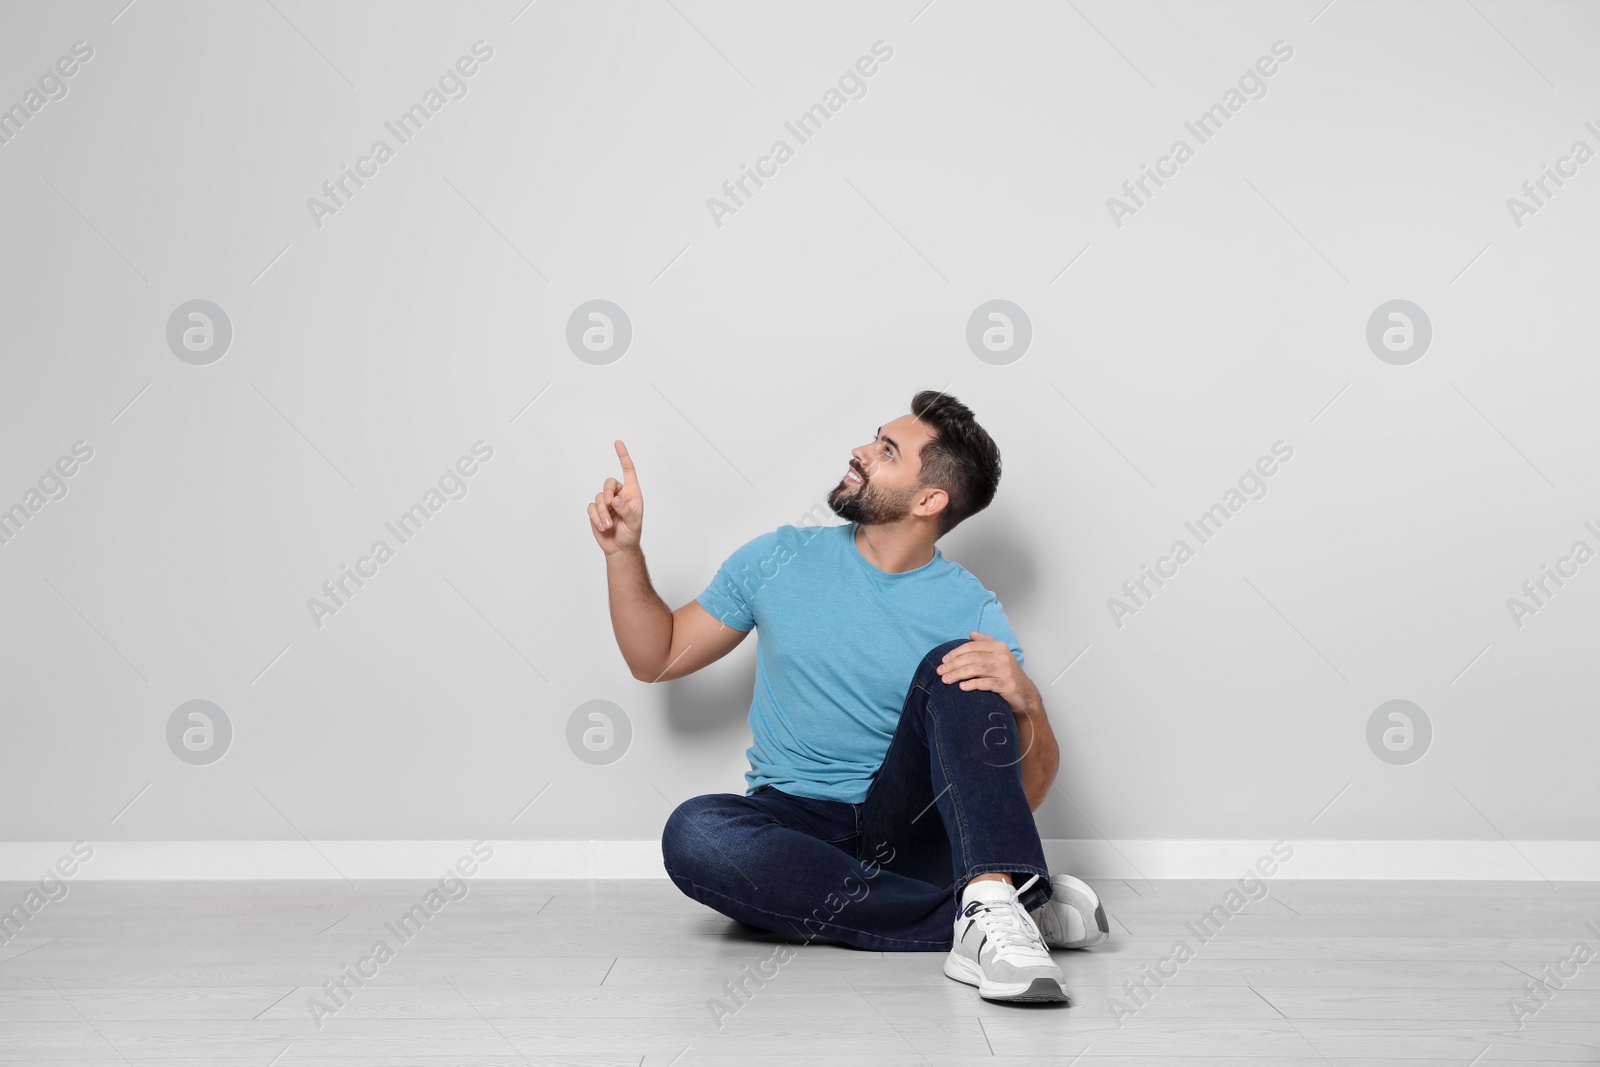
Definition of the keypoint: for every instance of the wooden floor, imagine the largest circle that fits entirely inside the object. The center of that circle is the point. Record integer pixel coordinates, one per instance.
(623, 972)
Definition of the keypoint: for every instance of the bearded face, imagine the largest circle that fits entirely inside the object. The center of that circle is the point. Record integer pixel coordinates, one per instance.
(865, 502)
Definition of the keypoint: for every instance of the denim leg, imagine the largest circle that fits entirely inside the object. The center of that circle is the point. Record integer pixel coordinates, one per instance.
(956, 753)
(789, 864)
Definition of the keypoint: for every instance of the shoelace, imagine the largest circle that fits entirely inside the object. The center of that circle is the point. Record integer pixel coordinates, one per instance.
(1006, 923)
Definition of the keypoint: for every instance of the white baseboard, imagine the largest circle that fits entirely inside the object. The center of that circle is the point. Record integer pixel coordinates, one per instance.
(27, 861)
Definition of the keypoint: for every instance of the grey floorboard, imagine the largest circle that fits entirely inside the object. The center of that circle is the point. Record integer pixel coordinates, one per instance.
(1339, 974)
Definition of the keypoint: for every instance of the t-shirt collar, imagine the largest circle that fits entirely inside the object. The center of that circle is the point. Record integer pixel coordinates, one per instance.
(879, 572)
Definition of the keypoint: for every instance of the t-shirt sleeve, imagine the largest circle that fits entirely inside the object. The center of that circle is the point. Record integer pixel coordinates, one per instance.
(992, 620)
(725, 598)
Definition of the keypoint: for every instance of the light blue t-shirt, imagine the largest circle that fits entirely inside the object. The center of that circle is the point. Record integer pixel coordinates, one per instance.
(838, 645)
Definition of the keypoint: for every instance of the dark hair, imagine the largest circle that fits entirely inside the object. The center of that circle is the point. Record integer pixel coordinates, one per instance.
(962, 459)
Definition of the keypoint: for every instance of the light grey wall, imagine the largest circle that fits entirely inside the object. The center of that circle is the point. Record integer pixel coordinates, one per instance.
(1228, 312)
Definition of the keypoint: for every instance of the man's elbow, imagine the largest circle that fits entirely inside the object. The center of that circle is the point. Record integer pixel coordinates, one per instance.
(669, 673)
(644, 672)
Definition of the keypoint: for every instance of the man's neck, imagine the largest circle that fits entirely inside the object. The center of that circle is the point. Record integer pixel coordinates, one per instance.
(893, 548)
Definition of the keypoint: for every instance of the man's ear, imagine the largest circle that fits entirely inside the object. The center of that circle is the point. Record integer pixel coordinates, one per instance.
(933, 501)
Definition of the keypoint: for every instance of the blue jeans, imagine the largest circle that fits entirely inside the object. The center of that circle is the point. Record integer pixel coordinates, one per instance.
(886, 874)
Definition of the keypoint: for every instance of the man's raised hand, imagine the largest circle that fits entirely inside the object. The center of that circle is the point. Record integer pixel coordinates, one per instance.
(617, 515)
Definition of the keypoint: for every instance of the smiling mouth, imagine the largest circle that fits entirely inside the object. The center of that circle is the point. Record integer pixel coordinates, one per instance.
(853, 477)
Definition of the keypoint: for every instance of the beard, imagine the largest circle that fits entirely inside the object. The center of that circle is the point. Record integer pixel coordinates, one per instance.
(866, 505)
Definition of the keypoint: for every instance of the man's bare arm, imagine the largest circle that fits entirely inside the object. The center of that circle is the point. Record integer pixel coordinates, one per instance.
(641, 619)
(660, 645)
(1041, 757)
(657, 644)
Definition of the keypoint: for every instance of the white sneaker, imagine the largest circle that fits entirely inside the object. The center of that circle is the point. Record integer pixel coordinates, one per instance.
(1074, 917)
(999, 949)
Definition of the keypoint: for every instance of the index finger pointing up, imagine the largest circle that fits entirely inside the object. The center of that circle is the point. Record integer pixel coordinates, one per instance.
(628, 475)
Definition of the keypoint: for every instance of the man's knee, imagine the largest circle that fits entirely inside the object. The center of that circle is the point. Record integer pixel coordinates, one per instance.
(937, 652)
(686, 839)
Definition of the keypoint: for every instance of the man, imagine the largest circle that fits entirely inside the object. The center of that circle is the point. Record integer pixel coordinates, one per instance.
(899, 749)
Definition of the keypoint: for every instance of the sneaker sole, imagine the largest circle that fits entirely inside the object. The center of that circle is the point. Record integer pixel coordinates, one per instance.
(1044, 990)
(1101, 931)
(1096, 934)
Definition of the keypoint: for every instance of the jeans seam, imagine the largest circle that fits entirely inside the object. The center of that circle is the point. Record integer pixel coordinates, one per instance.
(961, 822)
